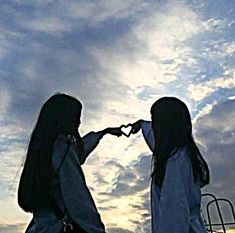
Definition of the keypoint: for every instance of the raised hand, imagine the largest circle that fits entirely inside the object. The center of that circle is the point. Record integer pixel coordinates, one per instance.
(126, 130)
(136, 126)
(116, 131)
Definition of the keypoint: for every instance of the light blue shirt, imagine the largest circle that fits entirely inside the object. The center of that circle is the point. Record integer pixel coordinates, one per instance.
(75, 193)
(175, 207)
(69, 189)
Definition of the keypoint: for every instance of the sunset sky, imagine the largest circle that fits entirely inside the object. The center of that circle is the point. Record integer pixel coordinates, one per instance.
(118, 57)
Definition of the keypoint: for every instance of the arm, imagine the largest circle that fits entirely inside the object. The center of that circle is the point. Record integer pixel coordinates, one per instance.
(92, 139)
(75, 193)
(147, 132)
(174, 205)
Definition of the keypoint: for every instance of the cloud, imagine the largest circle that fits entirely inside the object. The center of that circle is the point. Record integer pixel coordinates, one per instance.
(142, 53)
(49, 64)
(215, 131)
(204, 111)
(118, 230)
(203, 89)
(131, 185)
(104, 10)
(5, 101)
(53, 18)
(50, 25)
(132, 178)
(118, 57)
(12, 228)
(216, 24)
(99, 179)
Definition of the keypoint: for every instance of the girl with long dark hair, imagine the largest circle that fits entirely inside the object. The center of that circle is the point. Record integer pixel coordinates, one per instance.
(52, 185)
(178, 168)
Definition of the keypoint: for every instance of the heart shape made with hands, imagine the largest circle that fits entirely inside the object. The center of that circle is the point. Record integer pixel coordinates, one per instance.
(126, 130)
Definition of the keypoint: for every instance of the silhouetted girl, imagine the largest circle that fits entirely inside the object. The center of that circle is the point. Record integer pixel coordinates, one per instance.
(52, 184)
(178, 168)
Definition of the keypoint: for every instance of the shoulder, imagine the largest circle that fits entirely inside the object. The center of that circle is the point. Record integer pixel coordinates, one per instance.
(63, 140)
(60, 144)
(147, 124)
(60, 147)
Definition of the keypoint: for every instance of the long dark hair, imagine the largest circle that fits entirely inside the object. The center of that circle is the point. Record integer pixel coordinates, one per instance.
(60, 114)
(172, 128)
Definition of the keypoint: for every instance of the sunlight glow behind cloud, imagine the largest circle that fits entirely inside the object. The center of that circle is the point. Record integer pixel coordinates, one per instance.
(117, 57)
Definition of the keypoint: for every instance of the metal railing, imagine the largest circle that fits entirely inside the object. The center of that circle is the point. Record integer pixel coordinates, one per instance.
(210, 226)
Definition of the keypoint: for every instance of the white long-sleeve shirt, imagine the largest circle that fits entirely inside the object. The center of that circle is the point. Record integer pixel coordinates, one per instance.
(175, 207)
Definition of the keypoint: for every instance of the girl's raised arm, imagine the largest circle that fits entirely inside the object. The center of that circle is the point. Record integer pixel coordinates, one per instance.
(92, 139)
(147, 132)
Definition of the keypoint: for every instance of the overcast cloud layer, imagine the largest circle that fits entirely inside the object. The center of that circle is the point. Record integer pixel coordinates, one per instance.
(117, 57)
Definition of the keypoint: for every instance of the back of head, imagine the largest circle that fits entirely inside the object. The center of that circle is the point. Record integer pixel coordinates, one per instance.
(60, 114)
(171, 123)
(172, 129)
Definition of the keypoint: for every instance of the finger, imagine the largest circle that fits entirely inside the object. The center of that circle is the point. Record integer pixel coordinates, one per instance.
(133, 130)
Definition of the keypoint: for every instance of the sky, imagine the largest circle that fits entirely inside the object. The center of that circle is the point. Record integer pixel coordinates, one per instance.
(118, 57)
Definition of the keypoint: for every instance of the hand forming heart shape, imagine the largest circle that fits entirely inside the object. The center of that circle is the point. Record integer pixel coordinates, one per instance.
(126, 129)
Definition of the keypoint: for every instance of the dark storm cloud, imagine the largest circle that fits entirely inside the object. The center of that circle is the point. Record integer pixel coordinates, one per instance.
(108, 208)
(39, 63)
(216, 131)
(46, 47)
(114, 163)
(126, 176)
(99, 179)
(131, 178)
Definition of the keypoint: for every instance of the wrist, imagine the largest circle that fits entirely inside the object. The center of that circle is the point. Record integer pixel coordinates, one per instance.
(141, 121)
(105, 131)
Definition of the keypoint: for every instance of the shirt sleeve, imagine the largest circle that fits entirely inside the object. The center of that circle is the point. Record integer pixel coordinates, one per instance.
(80, 206)
(90, 142)
(174, 206)
(148, 134)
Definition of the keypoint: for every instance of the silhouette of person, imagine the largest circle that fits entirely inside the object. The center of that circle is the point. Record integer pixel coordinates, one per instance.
(52, 185)
(178, 168)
